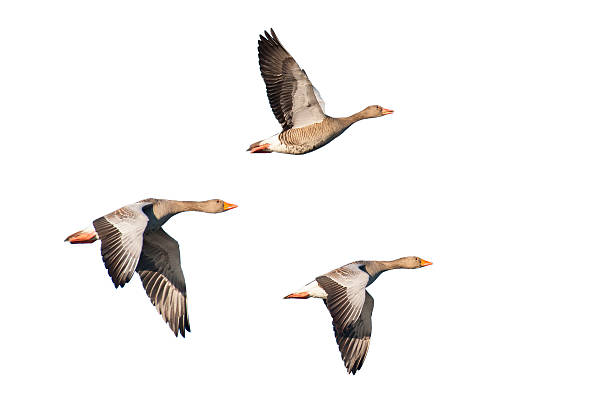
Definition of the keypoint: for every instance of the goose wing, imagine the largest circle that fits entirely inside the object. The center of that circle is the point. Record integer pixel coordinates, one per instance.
(293, 99)
(162, 278)
(121, 235)
(354, 340)
(350, 306)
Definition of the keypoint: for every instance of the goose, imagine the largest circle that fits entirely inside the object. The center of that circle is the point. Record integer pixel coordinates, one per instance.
(297, 104)
(133, 240)
(350, 305)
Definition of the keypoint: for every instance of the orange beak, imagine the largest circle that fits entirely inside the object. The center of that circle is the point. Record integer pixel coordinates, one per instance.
(228, 206)
(425, 263)
(386, 111)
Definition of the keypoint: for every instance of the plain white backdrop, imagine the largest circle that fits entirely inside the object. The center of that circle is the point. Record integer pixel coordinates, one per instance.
(495, 167)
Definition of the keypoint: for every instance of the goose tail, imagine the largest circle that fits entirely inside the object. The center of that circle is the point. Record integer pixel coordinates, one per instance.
(85, 236)
(259, 147)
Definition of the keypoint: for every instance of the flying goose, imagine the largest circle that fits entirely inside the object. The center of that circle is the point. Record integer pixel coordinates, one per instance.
(350, 305)
(297, 105)
(133, 240)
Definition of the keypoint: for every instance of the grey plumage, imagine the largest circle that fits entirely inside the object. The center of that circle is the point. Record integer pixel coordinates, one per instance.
(297, 104)
(344, 293)
(133, 240)
(290, 93)
(162, 278)
(354, 340)
(351, 320)
(121, 236)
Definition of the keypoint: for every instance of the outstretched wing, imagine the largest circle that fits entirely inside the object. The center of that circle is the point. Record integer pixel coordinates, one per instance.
(354, 340)
(293, 99)
(121, 235)
(351, 308)
(162, 278)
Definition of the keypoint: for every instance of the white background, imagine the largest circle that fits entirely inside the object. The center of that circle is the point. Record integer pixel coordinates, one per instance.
(495, 167)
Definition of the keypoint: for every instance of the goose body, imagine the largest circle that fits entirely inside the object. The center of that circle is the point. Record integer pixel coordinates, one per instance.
(344, 292)
(133, 241)
(297, 104)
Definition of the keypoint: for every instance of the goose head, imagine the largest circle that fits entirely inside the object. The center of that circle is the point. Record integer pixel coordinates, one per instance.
(411, 262)
(216, 206)
(375, 111)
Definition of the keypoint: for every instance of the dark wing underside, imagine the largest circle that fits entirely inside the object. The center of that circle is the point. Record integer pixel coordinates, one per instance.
(162, 278)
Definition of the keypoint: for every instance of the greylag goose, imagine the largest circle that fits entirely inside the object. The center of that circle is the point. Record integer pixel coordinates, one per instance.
(297, 105)
(350, 305)
(133, 240)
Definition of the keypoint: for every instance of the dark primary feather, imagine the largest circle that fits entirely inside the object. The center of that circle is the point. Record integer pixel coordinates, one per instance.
(272, 59)
(354, 340)
(352, 323)
(162, 278)
(284, 78)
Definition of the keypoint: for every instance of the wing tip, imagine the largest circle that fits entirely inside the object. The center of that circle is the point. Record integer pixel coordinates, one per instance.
(269, 38)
